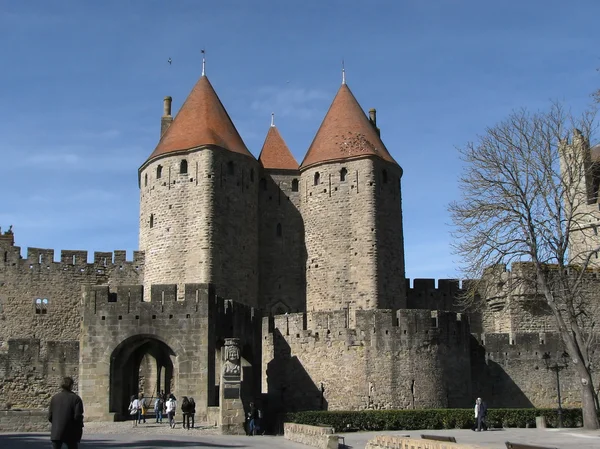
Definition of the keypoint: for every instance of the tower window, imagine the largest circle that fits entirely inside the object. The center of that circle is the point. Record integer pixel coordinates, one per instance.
(41, 306)
(251, 175)
(279, 231)
(294, 185)
(151, 220)
(183, 167)
(263, 184)
(384, 177)
(343, 173)
(146, 180)
(158, 172)
(230, 168)
(317, 178)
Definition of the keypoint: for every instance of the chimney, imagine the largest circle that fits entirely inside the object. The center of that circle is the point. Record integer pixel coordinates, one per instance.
(166, 119)
(373, 120)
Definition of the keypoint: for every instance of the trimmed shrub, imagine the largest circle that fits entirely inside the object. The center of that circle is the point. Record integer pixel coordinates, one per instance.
(371, 420)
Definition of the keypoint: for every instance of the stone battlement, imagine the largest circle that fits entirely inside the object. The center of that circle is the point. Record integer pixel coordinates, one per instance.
(69, 259)
(521, 343)
(357, 327)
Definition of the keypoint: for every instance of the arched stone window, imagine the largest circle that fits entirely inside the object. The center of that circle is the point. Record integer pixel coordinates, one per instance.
(146, 180)
(158, 172)
(183, 167)
(343, 173)
(151, 220)
(251, 175)
(279, 231)
(230, 168)
(317, 178)
(384, 177)
(263, 184)
(41, 306)
(295, 185)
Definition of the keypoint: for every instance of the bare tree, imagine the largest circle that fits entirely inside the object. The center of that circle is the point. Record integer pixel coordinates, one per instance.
(526, 193)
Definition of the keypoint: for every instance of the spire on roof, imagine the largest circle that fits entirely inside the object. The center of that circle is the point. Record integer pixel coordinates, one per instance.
(275, 154)
(201, 121)
(345, 133)
(343, 73)
(272, 119)
(203, 62)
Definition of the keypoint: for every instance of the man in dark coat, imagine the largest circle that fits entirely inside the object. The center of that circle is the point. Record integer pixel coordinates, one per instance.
(66, 416)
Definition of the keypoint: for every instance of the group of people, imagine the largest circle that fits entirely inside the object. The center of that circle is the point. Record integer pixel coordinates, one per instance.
(163, 404)
(480, 415)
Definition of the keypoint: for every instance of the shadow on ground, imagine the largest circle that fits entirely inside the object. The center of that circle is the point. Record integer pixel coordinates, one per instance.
(31, 441)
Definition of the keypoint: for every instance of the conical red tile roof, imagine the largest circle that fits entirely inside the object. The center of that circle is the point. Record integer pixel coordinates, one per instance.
(345, 133)
(202, 120)
(275, 154)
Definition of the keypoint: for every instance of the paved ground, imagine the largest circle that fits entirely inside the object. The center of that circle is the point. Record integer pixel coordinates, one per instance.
(151, 436)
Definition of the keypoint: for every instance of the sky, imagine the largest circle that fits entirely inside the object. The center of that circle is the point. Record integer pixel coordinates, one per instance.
(82, 86)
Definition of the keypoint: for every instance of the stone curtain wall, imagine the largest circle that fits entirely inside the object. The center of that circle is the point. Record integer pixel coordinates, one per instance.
(22, 281)
(366, 359)
(509, 371)
(282, 256)
(32, 372)
(24, 421)
(204, 222)
(316, 436)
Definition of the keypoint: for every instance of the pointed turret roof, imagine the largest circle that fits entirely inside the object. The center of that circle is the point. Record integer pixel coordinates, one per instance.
(202, 120)
(345, 133)
(275, 154)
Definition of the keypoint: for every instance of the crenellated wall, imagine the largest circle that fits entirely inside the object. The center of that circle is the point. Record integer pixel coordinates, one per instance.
(282, 252)
(25, 280)
(508, 370)
(358, 359)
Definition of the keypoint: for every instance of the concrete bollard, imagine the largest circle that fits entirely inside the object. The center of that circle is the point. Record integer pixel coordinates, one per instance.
(540, 422)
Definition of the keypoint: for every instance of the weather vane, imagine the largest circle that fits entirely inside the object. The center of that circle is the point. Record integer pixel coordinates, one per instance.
(203, 51)
(343, 73)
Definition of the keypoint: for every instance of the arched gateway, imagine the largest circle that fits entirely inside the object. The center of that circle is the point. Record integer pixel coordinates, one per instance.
(130, 346)
(140, 364)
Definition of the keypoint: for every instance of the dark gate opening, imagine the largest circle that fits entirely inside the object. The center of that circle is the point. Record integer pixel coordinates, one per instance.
(141, 357)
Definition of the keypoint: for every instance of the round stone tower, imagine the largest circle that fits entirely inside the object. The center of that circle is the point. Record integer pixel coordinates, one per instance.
(198, 213)
(351, 206)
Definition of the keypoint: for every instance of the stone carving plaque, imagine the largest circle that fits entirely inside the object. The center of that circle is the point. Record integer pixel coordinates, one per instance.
(231, 365)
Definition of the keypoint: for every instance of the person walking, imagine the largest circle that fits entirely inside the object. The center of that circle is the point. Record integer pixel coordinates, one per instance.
(185, 410)
(171, 407)
(134, 409)
(66, 416)
(480, 414)
(159, 406)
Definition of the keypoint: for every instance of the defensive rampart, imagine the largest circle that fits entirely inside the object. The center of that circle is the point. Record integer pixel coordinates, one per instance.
(366, 359)
(32, 372)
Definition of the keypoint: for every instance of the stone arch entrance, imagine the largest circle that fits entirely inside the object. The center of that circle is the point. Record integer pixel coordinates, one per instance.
(141, 362)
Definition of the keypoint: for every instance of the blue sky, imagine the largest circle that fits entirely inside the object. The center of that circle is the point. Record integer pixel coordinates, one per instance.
(82, 85)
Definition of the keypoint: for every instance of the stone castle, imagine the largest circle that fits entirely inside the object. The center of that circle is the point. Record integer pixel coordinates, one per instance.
(264, 280)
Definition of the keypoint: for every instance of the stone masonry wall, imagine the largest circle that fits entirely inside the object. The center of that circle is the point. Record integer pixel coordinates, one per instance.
(201, 226)
(366, 359)
(281, 243)
(341, 239)
(31, 373)
(391, 287)
(23, 281)
(509, 371)
(116, 325)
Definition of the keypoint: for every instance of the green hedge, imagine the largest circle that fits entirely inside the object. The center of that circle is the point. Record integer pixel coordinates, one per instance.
(431, 419)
